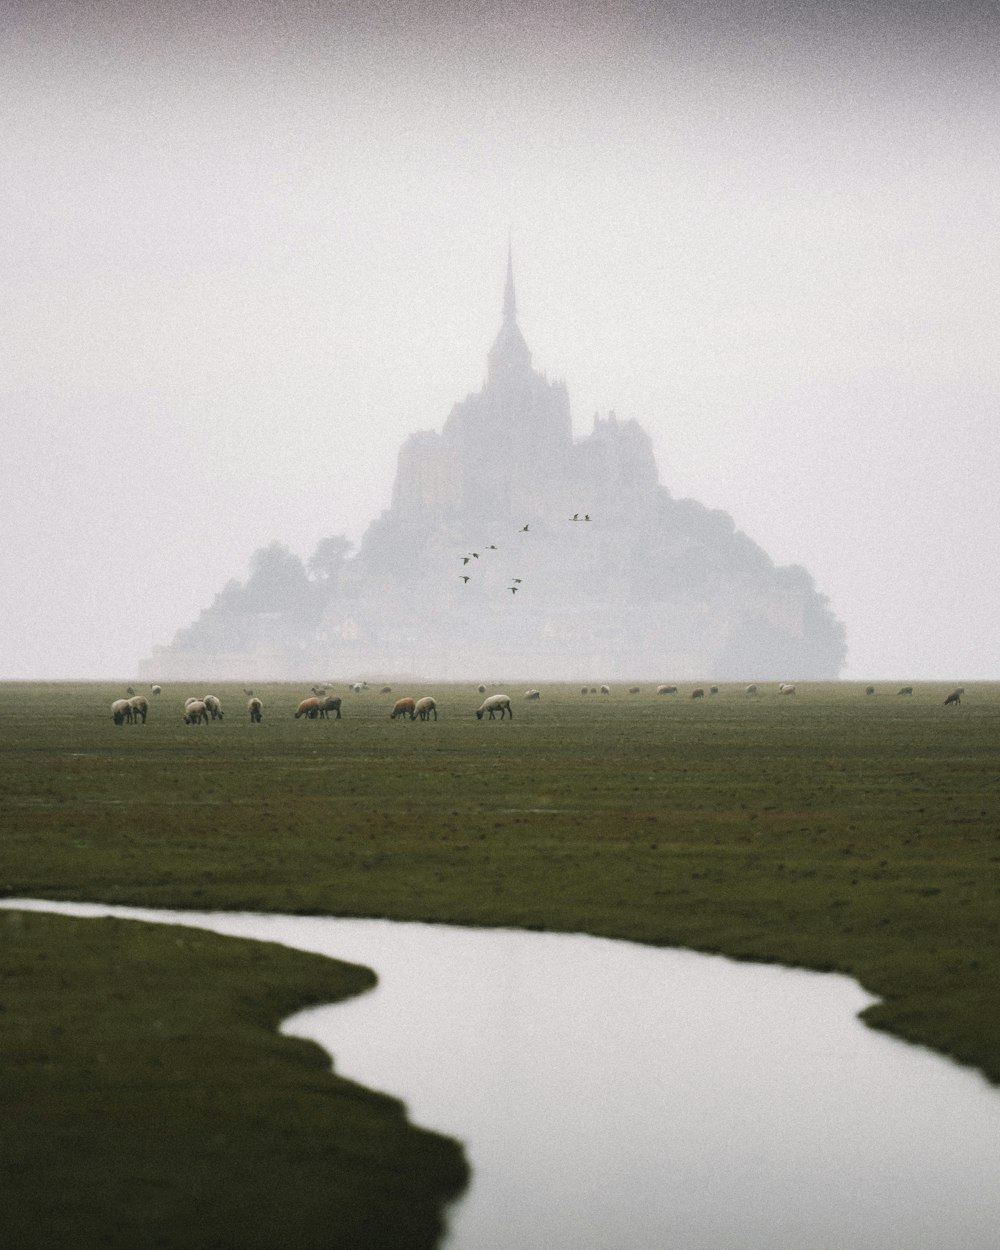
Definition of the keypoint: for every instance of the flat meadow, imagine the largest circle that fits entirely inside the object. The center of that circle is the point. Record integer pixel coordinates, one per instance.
(155, 1102)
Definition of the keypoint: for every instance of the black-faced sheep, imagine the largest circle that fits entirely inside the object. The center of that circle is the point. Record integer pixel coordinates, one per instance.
(496, 703)
(425, 706)
(308, 708)
(140, 707)
(955, 696)
(121, 712)
(256, 710)
(214, 706)
(195, 712)
(329, 703)
(404, 707)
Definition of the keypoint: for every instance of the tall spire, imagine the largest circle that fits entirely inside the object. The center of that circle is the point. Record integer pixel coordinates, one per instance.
(509, 356)
(509, 303)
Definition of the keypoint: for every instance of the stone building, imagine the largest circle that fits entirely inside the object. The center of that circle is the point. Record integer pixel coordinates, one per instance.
(512, 550)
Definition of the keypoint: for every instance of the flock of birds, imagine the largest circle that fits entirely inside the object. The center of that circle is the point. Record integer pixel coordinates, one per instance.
(515, 581)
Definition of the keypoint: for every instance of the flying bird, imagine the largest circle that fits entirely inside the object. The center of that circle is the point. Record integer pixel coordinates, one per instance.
(575, 516)
(466, 559)
(518, 580)
(492, 547)
(523, 529)
(512, 589)
(464, 576)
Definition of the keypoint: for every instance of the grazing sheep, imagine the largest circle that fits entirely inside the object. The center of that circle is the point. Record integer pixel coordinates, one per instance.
(955, 696)
(386, 690)
(496, 703)
(713, 690)
(425, 706)
(905, 690)
(585, 690)
(256, 710)
(481, 689)
(309, 708)
(195, 712)
(214, 706)
(593, 690)
(698, 694)
(666, 689)
(318, 691)
(130, 691)
(156, 689)
(329, 703)
(532, 694)
(633, 690)
(751, 690)
(605, 690)
(121, 712)
(869, 689)
(140, 707)
(404, 707)
(786, 688)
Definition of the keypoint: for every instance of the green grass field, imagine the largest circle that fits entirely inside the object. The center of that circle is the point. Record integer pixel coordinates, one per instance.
(826, 829)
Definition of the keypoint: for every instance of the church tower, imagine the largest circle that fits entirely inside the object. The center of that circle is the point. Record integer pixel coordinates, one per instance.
(509, 357)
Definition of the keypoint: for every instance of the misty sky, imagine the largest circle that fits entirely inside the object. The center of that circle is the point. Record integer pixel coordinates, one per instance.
(248, 249)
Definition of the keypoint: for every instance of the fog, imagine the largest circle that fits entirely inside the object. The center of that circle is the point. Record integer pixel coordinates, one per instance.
(248, 249)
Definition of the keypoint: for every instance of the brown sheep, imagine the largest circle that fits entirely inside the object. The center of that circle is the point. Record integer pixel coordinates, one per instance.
(404, 707)
(308, 707)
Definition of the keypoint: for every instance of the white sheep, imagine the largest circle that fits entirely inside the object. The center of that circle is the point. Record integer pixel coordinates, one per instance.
(256, 710)
(195, 712)
(496, 703)
(156, 689)
(532, 694)
(425, 706)
(751, 690)
(140, 707)
(605, 690)
(786, 687)
(666, 689)
(121, 712)
(214, 706)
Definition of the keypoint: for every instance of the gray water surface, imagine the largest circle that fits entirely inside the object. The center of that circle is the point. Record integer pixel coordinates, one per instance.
(613, 1096)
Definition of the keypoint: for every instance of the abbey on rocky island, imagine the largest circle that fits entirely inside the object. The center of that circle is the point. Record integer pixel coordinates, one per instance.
(513, 551)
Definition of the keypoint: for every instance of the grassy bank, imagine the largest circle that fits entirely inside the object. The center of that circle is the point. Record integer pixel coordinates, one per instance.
(827, 829)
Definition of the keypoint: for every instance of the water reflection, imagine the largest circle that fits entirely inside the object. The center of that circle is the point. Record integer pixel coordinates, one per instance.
(615, 1095)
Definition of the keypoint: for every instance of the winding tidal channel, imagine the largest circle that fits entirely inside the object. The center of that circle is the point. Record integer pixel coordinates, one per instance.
(615, 1095)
